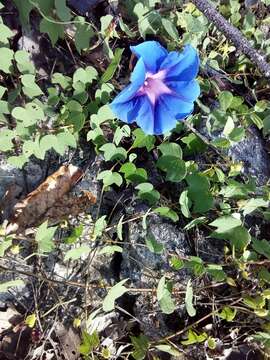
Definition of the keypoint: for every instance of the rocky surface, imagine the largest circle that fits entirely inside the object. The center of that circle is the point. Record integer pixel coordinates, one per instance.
(252, 152)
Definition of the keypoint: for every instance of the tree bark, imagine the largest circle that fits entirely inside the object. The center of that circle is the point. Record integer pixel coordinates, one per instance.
(234, 35)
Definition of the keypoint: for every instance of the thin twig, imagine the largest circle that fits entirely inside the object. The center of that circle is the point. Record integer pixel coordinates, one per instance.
(234, 35)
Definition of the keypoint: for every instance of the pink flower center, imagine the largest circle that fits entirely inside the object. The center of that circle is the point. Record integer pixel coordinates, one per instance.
(154, 86)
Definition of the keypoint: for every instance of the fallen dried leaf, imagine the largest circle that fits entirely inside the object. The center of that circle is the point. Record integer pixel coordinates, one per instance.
(50, 201)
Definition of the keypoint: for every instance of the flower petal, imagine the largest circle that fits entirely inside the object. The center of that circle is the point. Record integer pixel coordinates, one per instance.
(177, 106)
(164, 118)
(127, 111)
(187, 90)
(183, 66)
(139, 73)
(152, 54)
(145, 117)
(137, 80)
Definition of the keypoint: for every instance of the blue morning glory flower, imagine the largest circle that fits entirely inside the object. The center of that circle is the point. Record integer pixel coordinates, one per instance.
(162, 90)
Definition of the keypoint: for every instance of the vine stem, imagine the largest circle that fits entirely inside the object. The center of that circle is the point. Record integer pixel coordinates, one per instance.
(234, 35)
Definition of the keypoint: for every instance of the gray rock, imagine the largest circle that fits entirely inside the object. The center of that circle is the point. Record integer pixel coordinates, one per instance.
(144, 270)
(252, 152)
(140, 264)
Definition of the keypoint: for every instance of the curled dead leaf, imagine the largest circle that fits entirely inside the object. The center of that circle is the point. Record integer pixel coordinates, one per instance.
(50, 201)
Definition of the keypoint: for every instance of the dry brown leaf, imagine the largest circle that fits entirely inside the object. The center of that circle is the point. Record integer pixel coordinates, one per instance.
(69, 342)
(47, 199)
(70, 205)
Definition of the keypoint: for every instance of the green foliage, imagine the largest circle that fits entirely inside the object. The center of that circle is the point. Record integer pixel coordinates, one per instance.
(113, 294)
(194, 338)
(141, 345)
(164, 296)
(171, 162)
(44, 238)
(89, 342)
(153, 245)
(189, 300)
(179, 176)
(76, 253)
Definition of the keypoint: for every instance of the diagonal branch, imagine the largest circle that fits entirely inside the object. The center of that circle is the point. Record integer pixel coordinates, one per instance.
(234, 35)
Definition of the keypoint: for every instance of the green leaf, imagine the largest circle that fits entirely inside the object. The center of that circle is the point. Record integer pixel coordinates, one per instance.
(153, 245)
(62, 80)
(114, 293)
(24, 63)
(189, 299)
(227, 313)
(198, 192)
(221, 142)
(30, 320)
(237, 134)
(30, 88)
(237, 190)
(167, 212)
(28, 115)
(119, 228)
(85, 76)
(173, 166)
(6, 56)
(164, 297)
(194, 145)
(84, 32)
(24, 9)
(105, 23)
(104, 114)
(62, 10)
(111, 152)
(6, 137)
(110, 249)
(89, 342)
(76, 253)
(263, 338)
(225, 223)
(141, 345)
(170, 29)
(254, 302)
(75, 234)
(211, 343)
(5, 33)
(194, 338)
(176, 263)
(195, 222)
(100, 226)
(253, 204)
(147, 193)
(17, 161)
(196, 264)
(8, 284)
(108, 75)
(120, 133)
(262, 247)
(44, 238)
(4, 245)
(54, 31)
(225, 99)
(2, 91)
(185, 203)
(169, 350)
(216, 272)
(171, 149)
(143, 140)
(131, 173)
(109, 178)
